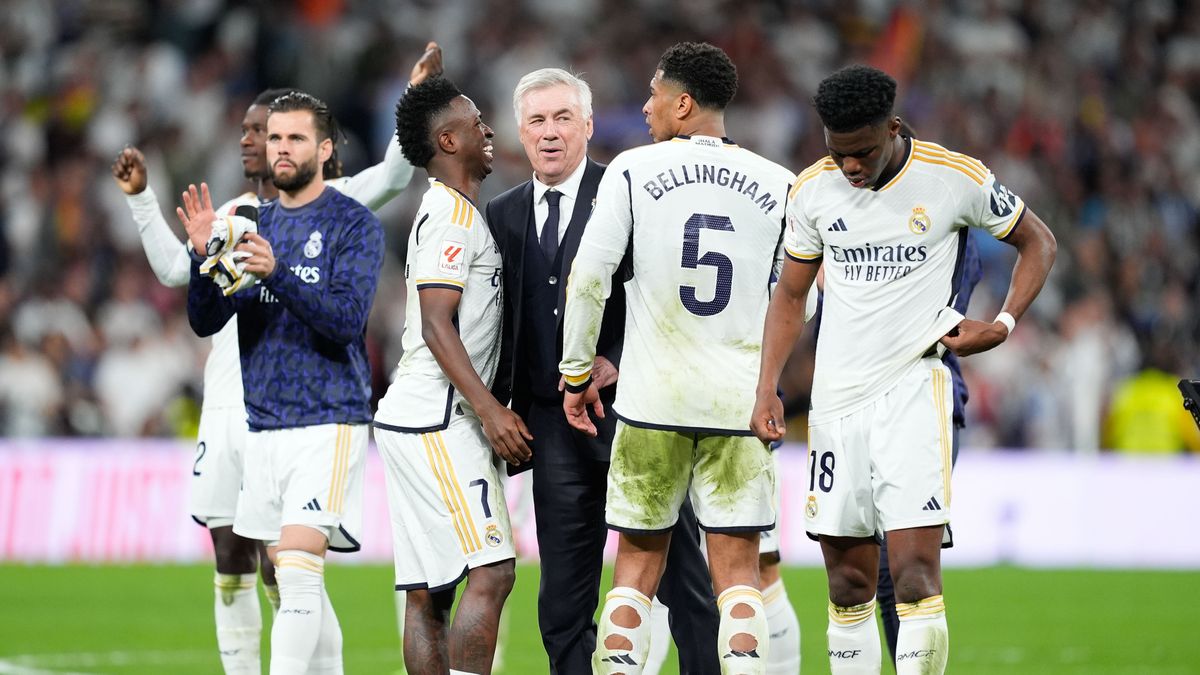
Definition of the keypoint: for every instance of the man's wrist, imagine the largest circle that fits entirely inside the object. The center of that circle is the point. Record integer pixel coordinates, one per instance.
(577, 384)
(1007, 320)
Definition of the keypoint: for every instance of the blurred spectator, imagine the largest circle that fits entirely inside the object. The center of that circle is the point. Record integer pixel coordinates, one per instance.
(1090, 110)
(1147, 415)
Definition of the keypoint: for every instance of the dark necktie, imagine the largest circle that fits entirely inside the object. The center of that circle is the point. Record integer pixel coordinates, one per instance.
(549, 238)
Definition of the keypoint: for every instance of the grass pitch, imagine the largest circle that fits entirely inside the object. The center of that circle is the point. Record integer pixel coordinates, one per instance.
(158, 619)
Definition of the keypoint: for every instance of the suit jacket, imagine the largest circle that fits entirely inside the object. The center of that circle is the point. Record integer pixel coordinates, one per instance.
(509, 216)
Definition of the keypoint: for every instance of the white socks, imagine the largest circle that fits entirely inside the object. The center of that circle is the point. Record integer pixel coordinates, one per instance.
(327, 657)
(854, 640)
(784, 629)
(239, 622)
(660, 638)
(629, 639)
(742, 616)
(923, 644)
(298, 624)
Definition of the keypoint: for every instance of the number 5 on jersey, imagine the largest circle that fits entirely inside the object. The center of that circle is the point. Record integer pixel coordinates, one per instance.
(693, 260)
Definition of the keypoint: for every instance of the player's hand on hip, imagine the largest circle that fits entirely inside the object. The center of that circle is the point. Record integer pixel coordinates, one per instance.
(575, 405)
(197, 215)
(429, 65)
(972, 337)
(767, 420)
(604, 373)
(507, 433)
(260, 258)
(129, 170)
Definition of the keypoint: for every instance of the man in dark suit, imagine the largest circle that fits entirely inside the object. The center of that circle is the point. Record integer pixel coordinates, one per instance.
(538, 225)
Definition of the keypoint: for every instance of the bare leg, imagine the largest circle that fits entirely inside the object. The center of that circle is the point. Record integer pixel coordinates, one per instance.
(426, 634)
(477, 621)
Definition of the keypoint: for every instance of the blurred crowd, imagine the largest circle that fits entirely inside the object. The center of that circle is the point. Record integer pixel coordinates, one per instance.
(1089, 110)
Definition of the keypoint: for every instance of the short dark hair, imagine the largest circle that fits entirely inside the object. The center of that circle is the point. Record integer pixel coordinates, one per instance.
(855, 97)
(703, 71)
(415, 112)
(292, 100)
(267, 96)
(322, 117)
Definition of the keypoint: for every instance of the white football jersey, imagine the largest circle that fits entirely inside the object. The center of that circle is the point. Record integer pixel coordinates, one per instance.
(705, 219)
(451, 247)
(892, 259)
(223, 370)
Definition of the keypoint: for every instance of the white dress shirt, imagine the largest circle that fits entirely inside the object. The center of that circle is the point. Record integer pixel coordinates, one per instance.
(566, 204)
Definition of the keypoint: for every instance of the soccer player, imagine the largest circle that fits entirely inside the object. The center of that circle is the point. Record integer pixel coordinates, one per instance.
(888, 215)
(438, 423)
(305, 373)
(538, 225)
(704, 218)
(217, 469)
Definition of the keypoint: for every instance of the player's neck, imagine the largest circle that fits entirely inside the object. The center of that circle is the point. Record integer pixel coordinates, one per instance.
(458, 178)
(294, 199)
(266, 190)
(703, 124)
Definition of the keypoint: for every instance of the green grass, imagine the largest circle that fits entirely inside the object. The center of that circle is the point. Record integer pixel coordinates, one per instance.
(158, 619)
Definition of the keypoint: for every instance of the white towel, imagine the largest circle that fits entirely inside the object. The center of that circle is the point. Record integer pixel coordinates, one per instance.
(224, 265)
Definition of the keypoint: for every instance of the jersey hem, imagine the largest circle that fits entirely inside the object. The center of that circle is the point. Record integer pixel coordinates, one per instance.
(684, 429)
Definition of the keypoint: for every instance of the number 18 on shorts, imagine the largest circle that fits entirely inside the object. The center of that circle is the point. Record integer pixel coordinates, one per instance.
(886, 466)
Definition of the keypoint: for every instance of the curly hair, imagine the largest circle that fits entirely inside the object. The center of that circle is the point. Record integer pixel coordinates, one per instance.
(268, 96)
(703, 71)
(855, 97)
(414, 117)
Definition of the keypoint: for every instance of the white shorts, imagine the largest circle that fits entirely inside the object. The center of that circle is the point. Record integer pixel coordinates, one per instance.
(217, 466)
(768, 540)
(447, 504)
(887, 466)
(730, 479)
(304, 476)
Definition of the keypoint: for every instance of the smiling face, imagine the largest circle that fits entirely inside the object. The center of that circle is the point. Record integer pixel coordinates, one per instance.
(864, 154)
(474, 138)
(660, 109)
(293, 152)
(554, 132)
(254, 142)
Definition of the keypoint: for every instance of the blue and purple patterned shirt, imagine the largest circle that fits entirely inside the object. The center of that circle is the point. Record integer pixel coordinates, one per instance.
(302, 330)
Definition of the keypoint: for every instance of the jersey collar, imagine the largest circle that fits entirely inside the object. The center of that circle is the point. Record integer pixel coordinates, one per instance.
(889, 177)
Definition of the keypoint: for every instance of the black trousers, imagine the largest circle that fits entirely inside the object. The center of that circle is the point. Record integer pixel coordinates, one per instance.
(569, 487)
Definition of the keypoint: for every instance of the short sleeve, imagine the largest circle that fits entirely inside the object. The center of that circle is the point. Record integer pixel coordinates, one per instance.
(995, 208)
(801, 238)
(444, 243)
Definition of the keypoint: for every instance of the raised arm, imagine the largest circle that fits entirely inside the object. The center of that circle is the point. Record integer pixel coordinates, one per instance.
(167, 255)
(379, 184)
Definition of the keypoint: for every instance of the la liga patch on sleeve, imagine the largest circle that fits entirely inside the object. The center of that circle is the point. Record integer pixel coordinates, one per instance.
(450, 257)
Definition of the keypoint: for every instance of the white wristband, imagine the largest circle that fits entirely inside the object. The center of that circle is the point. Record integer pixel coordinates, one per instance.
(1007, 319)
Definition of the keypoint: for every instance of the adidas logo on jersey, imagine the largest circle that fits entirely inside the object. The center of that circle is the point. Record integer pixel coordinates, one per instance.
(838, 225)
(623, 659)
(312, 506)
(733, 653)
(932, 505)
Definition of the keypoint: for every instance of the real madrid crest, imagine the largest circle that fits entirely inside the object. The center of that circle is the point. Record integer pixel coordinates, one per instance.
(313, 247)
(493, 536)
(919, 221)
(810, 509)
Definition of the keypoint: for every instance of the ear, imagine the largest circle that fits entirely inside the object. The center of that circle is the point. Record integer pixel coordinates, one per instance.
(684, 106)
(447, 142)
(588, 127)
(324, 150)
(894, 126)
